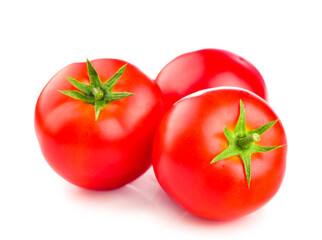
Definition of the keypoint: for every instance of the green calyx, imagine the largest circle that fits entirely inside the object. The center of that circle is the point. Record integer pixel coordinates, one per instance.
(242, 143)
(97, 93)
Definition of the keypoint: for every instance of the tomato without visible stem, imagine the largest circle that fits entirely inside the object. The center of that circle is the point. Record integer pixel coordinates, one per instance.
(106, 152)
(208, 68)
(209, 175)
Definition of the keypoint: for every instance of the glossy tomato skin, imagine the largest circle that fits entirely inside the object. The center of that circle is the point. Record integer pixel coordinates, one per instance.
(208, 68)
(106, 153)
(191, 135)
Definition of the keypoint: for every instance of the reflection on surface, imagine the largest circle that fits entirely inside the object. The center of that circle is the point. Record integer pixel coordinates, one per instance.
(145, 195)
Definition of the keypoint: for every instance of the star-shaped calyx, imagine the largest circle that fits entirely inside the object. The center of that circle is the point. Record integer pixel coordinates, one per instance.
(242, 143)
(97, 93)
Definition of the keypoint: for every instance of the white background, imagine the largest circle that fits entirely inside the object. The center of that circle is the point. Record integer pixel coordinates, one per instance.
(281, 38)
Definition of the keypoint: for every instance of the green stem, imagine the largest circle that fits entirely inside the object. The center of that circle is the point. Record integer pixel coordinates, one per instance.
(245, 142)
(244, 147)
(98, 93)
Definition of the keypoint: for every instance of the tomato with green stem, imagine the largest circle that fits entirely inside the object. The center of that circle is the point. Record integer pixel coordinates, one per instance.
(208, 68)
(95, 122)
(220, 153)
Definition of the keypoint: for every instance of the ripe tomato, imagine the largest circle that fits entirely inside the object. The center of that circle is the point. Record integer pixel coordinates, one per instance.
(208, 68)
(101, 146)
(216, 172)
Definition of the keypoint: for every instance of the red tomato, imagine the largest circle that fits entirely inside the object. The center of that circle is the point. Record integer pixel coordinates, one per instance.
(108, 152)
(205, 168)
(208, 68)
